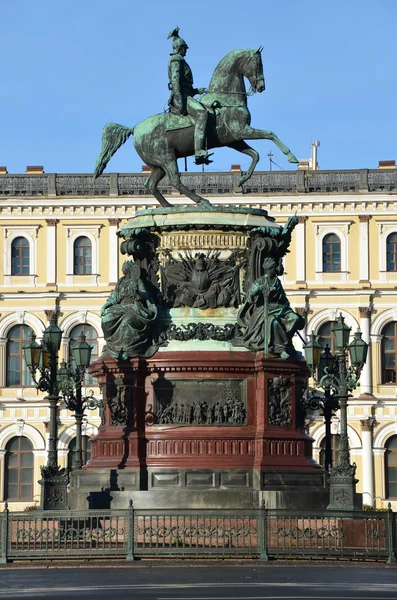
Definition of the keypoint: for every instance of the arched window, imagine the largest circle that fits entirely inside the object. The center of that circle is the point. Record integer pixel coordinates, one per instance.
(335, 446)
(17, 371)
(20, 256)
(389, 349)
(391, 252)
(86, 447)
(325, 335)
(82, 256)
(331, 254)
(19, 469)
(391, 467)
(91, 337)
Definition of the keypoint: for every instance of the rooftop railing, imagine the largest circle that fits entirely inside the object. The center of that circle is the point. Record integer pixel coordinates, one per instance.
(264, 182)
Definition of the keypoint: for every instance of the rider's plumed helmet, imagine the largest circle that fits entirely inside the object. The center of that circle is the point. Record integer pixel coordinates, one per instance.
(177, 42)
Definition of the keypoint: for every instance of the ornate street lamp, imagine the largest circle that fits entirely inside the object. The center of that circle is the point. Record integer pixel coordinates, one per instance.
(337, 379)
(70, 384)
(44, 358)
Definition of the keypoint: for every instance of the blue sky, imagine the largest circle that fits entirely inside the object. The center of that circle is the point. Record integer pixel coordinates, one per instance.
(70, 67)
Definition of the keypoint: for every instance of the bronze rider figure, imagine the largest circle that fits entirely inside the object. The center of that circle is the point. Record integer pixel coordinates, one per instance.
(181, 100)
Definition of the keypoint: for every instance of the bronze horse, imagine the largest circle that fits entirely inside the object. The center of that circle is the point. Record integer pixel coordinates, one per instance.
(161, 139)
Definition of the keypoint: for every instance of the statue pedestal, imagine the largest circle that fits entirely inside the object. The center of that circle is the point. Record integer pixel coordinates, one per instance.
(233, 435)
(201, 419)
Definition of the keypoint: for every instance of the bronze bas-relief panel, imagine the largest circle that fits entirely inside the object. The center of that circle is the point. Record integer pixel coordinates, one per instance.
(200, 402)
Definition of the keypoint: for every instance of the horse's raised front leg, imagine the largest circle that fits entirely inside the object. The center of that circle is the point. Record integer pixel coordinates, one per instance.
(156, 175)
(249, 133)
(241, 146)
(171, 169)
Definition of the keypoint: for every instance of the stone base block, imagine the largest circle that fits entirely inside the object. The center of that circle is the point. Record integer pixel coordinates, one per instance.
(93, 489)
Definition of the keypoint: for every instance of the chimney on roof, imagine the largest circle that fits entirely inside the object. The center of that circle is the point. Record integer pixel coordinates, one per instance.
(146, 169)
(387, 164)
(35, 170)
(235, 168)
(3, 171)
(304, 164)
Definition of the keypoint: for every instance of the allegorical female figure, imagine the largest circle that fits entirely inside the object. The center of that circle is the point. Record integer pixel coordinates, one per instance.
(267, 316)
(129, 316)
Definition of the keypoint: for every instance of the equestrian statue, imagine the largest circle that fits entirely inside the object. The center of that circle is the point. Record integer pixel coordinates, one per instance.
(218, 117)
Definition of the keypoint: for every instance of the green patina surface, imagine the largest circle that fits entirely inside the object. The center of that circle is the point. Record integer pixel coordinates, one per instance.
(198, 120)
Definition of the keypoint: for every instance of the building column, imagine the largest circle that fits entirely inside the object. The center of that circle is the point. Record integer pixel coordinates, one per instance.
(300, 241)
(2, 474)
(3, 362)
(368, 483)
(366, 373)
(113, 252)
(51, 252)
(364, 248)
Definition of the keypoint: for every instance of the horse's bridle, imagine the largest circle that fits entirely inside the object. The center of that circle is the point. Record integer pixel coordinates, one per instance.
(251, 90)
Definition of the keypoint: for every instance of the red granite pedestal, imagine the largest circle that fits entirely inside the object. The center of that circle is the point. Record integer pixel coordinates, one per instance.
(134, 453)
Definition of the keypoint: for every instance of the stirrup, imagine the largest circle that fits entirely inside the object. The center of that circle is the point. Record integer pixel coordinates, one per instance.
(203, 159)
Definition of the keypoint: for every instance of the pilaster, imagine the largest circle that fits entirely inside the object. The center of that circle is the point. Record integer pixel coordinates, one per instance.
(51, 252)
(113, 252)
(364, 248)
(368, 482)
(366, 373)
(300, 234)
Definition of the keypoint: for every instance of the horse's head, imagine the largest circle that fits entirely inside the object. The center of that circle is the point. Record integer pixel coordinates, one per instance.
(256, 77)
(228, 77)
(254, 72)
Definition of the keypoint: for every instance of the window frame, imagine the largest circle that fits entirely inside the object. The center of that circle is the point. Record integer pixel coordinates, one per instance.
(331, 253)
(19, 265)
(394, 252)
(391, 439)
(88, 379)
(86, 268)
(19, 468)
(384, 352)
(20, 340)
(30, 233)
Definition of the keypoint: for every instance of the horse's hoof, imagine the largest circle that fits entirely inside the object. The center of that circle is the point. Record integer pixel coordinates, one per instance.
(242, 180)
(205, 203)
(292, 158)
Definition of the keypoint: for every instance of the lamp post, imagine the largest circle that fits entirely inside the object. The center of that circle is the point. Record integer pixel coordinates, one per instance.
(337, 379)
(70, 385)
(43, 358)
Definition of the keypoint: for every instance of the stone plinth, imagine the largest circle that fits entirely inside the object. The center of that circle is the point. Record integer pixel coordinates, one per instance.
(265, 450)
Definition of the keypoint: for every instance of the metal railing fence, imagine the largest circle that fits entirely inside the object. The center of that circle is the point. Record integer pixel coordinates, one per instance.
(261, 534)
(261, 182)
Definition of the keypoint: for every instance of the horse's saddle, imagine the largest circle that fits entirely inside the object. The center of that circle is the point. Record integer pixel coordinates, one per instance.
(173, 121)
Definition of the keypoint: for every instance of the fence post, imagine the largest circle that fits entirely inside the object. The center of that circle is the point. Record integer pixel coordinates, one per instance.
(391, 536)
(4, 535)
(263, 532)
(130, 548)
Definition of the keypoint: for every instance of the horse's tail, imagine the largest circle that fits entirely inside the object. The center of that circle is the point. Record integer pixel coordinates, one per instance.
(113, 136)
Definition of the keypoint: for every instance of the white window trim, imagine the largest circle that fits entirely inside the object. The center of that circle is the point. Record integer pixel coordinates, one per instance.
(385, 229)
(341, 229)
(330, 314)
(30, 234)
(73, 232)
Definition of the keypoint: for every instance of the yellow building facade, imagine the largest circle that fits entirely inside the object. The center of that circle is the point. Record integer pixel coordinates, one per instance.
(60, 252)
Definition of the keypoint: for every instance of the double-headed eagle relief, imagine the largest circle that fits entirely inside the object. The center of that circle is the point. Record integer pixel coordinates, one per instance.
(201, 280)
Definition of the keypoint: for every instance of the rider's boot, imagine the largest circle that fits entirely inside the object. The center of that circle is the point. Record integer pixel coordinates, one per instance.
(201, 154)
